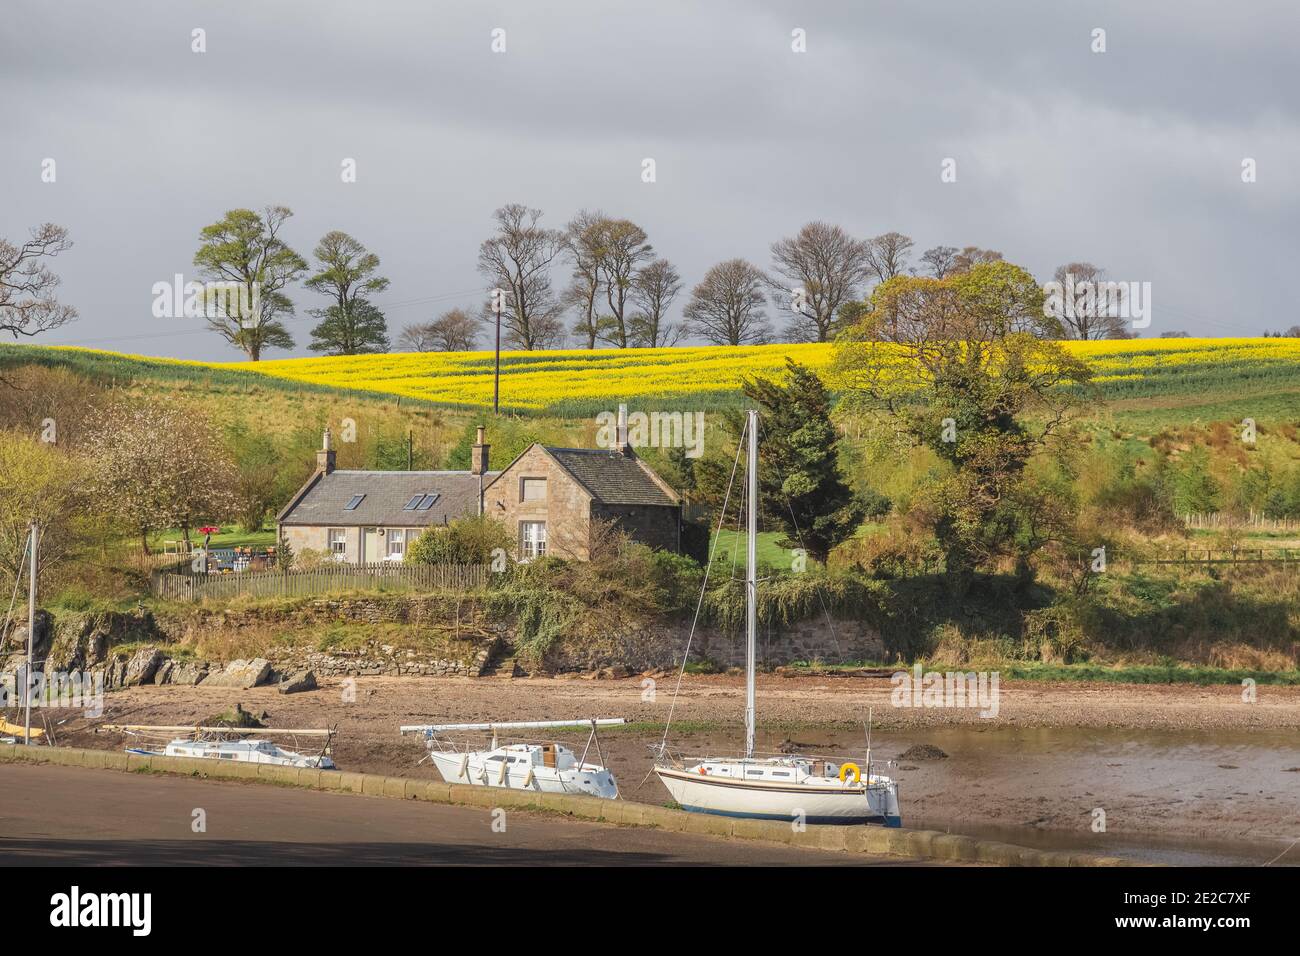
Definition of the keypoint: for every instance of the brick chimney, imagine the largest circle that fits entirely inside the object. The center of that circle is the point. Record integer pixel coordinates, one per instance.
(325, 457)
(478, 456)
(620, 436)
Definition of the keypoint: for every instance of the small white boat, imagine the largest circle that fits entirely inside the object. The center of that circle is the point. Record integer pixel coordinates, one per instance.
(245, 751)
(777, 787)
(216, 743)
(542, 767)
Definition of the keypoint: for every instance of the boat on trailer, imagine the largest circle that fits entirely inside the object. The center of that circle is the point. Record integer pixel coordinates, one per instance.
(229, 743)
(779, 786)
(544, 767)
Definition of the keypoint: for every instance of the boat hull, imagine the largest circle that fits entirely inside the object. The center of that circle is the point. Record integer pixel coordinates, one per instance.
(470, 769)
(700, 793)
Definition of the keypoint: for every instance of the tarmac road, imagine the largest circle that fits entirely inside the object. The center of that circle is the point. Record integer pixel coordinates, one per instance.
(73, 816)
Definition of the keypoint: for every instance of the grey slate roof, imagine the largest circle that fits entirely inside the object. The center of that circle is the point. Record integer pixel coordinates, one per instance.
(387, 492)
(613, 479)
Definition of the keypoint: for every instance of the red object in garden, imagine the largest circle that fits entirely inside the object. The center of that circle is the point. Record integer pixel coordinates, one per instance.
(209, 530)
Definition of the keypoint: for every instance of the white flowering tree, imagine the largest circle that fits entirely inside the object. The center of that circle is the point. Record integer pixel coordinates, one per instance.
(157, 466)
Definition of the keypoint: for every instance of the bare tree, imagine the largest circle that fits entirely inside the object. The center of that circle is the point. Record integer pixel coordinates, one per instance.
(456, 330)
(1099, 317)
(621, 248)
(653, 291)
(583, 291)
(27, 300)
(887, 255)
(971, 256)
(727, 307)
(517, 260)
(820, 267)
(941, 260)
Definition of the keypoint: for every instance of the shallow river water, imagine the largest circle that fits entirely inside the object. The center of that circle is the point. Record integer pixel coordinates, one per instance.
(1226, 797)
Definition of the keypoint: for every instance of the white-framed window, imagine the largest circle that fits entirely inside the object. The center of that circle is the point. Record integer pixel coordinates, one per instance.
(396, 543)
(411, 535)
(532, 539)
(532, 489)
(338, 543)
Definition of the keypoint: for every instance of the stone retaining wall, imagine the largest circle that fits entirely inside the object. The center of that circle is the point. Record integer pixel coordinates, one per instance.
(659, 646)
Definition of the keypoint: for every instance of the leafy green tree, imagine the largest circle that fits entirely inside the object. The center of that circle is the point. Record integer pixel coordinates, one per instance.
(966, 366)
(257, 486)
(356, 330)
(245, 248)
(42, 482)
(348, 275)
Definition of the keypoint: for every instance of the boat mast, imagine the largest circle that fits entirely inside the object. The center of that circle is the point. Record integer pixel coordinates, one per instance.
(31, 637)
(751, 582)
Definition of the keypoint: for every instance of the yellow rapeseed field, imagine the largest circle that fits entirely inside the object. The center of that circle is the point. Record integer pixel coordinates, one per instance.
(579, 380)
(585, 378)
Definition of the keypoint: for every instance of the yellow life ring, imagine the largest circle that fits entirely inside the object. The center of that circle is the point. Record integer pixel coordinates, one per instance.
(847, 768)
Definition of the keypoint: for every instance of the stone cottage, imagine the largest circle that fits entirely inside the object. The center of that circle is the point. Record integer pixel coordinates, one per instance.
(362, 517)
(548, 497)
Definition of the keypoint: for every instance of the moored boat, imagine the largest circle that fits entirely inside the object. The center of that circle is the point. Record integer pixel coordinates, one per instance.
(228, 743)
(544, 767)
(789, 787)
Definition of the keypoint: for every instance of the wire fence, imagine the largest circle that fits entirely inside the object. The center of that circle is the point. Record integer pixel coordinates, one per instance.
(1287, 557)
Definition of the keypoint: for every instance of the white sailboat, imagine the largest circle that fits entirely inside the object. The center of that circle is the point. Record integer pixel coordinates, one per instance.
(543, 767)
(781, 786)
(226, 743)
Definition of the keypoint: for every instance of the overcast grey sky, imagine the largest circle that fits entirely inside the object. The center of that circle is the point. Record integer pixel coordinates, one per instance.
(1130, 159)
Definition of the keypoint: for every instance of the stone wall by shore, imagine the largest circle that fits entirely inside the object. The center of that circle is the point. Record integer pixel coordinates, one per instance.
(658, 645)
(411, 636)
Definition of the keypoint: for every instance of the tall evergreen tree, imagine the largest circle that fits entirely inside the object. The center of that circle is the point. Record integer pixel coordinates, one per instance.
(799, 480)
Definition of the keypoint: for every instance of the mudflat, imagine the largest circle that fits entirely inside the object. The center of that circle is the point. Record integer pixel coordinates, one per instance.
(1179, 772)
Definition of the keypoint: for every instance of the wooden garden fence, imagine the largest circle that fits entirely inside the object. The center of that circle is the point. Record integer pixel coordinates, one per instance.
(179, 584)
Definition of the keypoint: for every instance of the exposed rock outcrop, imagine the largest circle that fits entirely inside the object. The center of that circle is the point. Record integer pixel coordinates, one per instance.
(142, 666)
(296, 683)
(241, 674)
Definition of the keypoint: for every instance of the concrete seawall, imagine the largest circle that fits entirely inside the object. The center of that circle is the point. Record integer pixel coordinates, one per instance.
(877, 841)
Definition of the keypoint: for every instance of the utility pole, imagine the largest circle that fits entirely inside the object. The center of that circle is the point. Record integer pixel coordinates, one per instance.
(498, 303)
(31, 637)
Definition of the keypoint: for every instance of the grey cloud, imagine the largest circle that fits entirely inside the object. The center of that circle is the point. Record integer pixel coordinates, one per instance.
(1129, 159)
